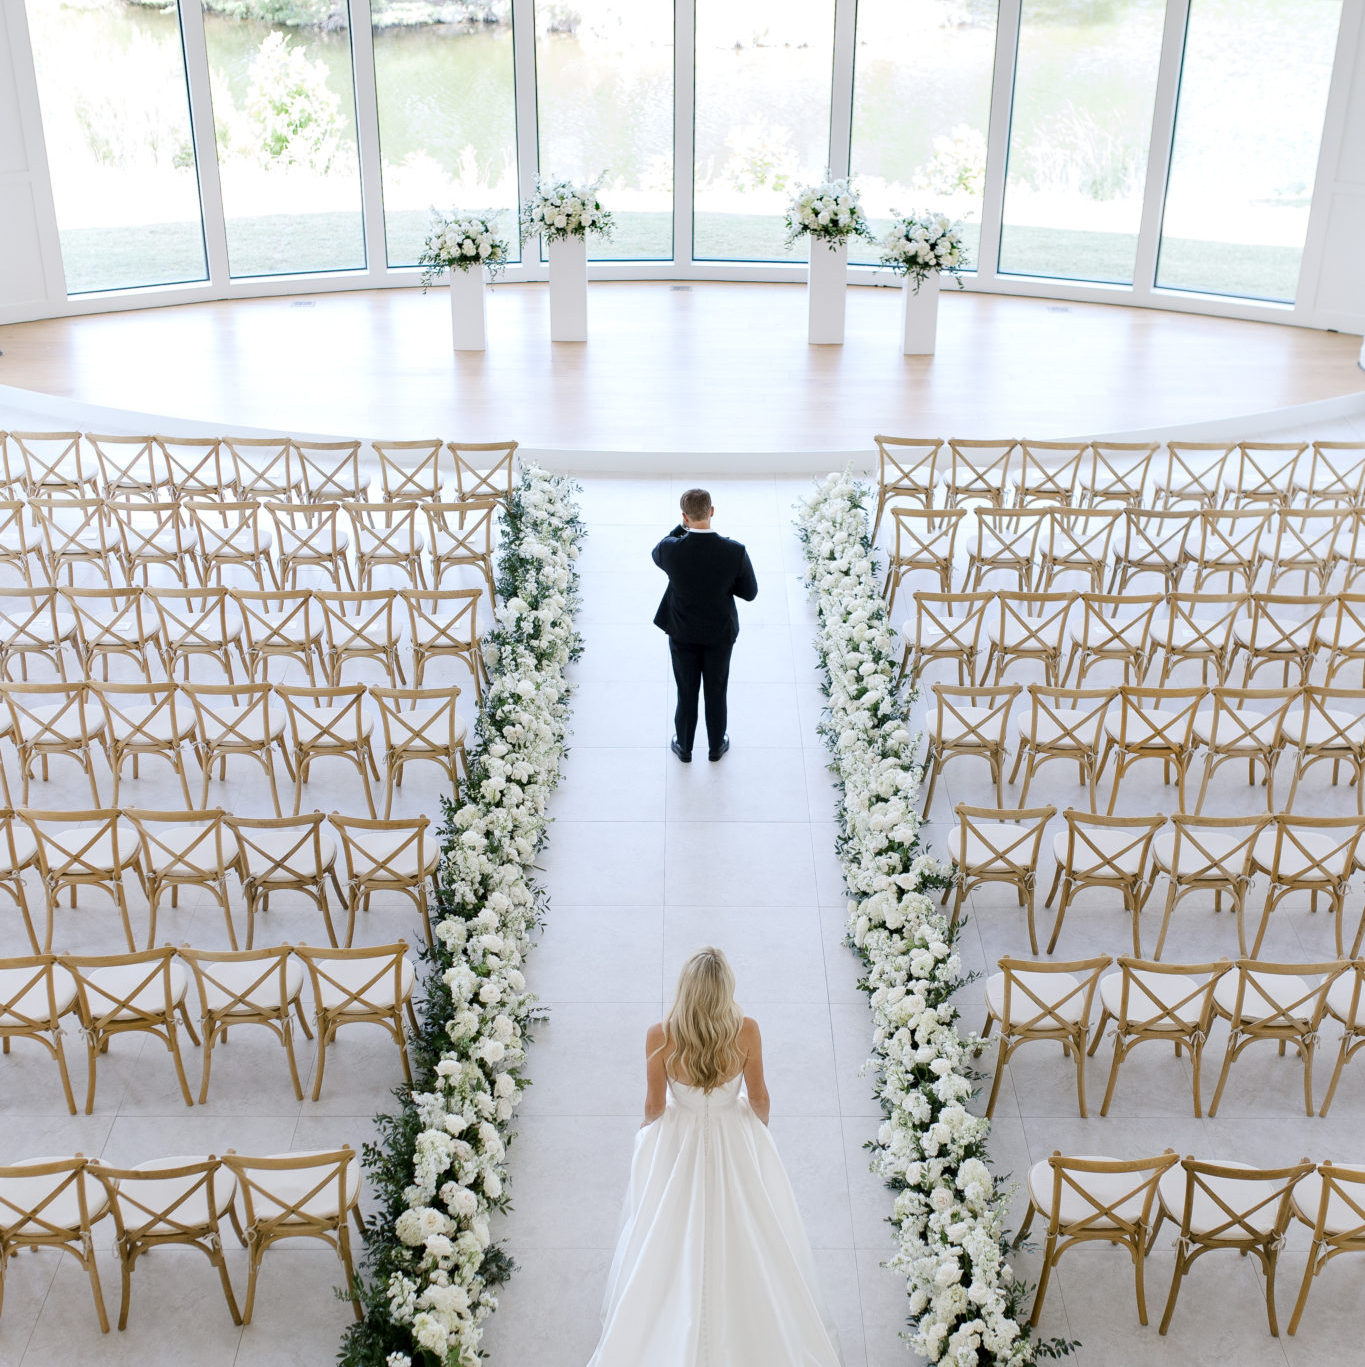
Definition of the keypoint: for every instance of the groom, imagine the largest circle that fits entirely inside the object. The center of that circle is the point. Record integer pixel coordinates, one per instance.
(706, 573)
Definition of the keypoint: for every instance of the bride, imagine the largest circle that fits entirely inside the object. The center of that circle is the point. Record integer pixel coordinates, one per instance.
(712, 1268)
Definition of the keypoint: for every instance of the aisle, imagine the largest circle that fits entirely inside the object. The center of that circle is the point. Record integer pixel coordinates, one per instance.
(650, 859)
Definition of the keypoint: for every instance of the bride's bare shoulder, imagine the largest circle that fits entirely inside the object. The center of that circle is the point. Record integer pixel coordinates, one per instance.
(749, 1030)
(654, 1037)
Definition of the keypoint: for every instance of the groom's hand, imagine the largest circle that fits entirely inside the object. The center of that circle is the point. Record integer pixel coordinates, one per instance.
(678, 530)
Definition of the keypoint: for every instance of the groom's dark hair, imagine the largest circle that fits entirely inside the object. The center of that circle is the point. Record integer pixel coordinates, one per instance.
(696, 504)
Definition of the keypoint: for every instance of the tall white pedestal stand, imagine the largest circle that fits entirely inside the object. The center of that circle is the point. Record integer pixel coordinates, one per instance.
(467, 308)
(919, 315)
(569, 290)
(826, 290)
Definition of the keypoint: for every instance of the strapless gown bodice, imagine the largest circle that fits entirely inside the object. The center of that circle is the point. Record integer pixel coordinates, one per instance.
(712, 1267)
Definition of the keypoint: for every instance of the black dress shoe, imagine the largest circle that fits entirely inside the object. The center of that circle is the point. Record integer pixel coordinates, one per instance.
(684, 755)
(720, 749)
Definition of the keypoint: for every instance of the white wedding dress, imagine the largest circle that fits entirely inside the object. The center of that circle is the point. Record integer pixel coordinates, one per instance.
(713, 1268)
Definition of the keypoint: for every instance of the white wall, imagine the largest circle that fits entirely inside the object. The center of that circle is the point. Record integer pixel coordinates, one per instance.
(30, 279)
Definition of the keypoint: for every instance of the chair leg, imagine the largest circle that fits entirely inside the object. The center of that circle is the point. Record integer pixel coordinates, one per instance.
(173, 1044)
(94, 1273)
(1343, 1054)
(1113, 1071)
(1049, 1257)
(1002, 1057)
(1177, 1276)
(1078, 1049)
(1229, 1055)
(1309, 1273)
(210, 1034)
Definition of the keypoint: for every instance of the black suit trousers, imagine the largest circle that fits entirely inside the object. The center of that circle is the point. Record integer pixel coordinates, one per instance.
(693, 667)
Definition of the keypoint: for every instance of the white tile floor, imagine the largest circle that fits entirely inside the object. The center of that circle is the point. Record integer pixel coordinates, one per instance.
(647, 860)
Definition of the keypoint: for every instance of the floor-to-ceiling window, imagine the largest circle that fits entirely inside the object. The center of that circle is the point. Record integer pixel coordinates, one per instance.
(446, 96)
(1084, 87)
(763, 71)
(1253, 90)
(921, 111)
(604, 97)
(284, 115)
(116, 120)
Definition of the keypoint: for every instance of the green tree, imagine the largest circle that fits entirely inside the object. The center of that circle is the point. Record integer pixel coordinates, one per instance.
(294, 116)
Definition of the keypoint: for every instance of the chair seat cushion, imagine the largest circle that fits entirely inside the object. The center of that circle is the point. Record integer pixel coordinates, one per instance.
(1316, 864)
(1342, 1216)
(1159, 727)
(121, 982)
(966, 726)
(1266, 996)
(987, 841)
(1219, 843)
(313, 725)
(352, 975)
(1115, 845)
(96, 854)
(1046, 732)
(63, 1210)
(1049, 988)
(269, 844)
(236, 978)
(431, 724)
(1242, 732)
(162, 1193)
(392, 855)
(1341, 996)
(72, 725)
(132, 720)
(291, 1186)
(25, 848)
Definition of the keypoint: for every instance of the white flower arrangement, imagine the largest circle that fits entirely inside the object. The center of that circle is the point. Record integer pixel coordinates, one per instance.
(431, 1270)
(830, 211)
(918, 244)
(462, 242)
(965, 1300)
(560, 209)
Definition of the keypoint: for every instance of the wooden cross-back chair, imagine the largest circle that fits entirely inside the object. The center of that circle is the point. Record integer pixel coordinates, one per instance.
(1341, 636)
(329, 470)
(968, 721)
(193, 623)
(1048, 472)
(421, 725)
(997, 845)
(19, 546)
(1152, 723)
(18, 854)
(1062, 723)
(36, 994)
(1312, 542)
(1193, 474)
(1006, 542)
(907, 469)
(1036, 1002)
(75, 531)
(111, 622)
(1197, 628)
(51, 720)
(194, 466)
(145, 721)
(360, 986)
(945, 626)
(233, 536)
(484, 469)
(1263, 472)
(285, 854)
(926, 539)
(461, 535)
(410, 470)
(1332, 728)
(155, 535)
(1331, 1202)
(1111, 852)
(1147, 1001)
(386, 535)
(1271, 1002)
(53, 1203)
(248, 987)
(170, 1202)
(385, 856)
(1312, 854)
(309, 536)
(1227, 1205)
(1206, 854)
(280, 624)
(1336, 475)
(141, 992)
(1155, 541)
(184, 849)
(979, 470)
(329, 723)
(1250, 724)
(361, 626)
(1279, 629)
(1077, 541)
(53, 463)
(31, 625)
(444, 624)
(236, 719)
(263, 468)
(1232, 542)
(1028, 626)
(1114, 628)
(1117, 473)
(1104, 1200)
(304, 1195)
(129, 467)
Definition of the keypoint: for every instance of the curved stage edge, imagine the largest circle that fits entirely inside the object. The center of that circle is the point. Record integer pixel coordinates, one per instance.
(705, 378)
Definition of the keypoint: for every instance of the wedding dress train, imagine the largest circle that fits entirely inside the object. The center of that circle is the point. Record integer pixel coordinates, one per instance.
(712, 1268)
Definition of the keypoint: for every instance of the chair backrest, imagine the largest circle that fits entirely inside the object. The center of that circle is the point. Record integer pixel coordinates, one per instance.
(52, 461)
(375, 989)
(128, 465)
(1194, 472)
(111, 617)
(1032, 623)
(907, 467)
(1227, 1203)
(410, 470)
(979, 469)
(74, 529)
(141, 716)
(1336, 473)
(28, 995)
(1164, 998)
(1070, 718)
(84, 844)
(1099, 1197)
(1200, 624)
(1006, 538)
(231, 716)
(1158, 719)
(194, 465)
(1231, 542)
(1117, 471)
(470, 523)
(1338, 1215)
(443, 618)
(1116, 623)
(1047, 998)
(176, 1200)
(1311, 540)
(278, 619)
(428, 723)
(1276, 999)
(324, 718)
(281, 1192)
(1248, 719)
(1213, 849)
(1156, 537)
(957, 720)
(926, 538)
(260, 988)
(1004, 838)
(190, 618)
(950, 621)
(182, 845)
(329, 469)
(229, 531)
(1312, 849)
(48, 715)
(1284, 621)
(143, 995)
(1048, 471)
(1080, 538)
(263, 467)
(1109, 848)
(382, 851)
(1265, 470)
(385, 531)
(35, 1201)
(484, 469)
(359, 620)
(295, 856)
(1333, 721)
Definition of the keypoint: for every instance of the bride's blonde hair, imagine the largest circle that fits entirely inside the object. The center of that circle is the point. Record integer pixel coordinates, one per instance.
(704, 1022)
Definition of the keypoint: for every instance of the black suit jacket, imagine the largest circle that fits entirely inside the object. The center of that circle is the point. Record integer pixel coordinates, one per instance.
(706, 573)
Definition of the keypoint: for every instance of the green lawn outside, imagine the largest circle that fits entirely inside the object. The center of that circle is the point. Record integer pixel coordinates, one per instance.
(170, 253)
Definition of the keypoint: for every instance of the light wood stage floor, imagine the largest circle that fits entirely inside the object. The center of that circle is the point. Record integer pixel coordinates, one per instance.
(706, 367)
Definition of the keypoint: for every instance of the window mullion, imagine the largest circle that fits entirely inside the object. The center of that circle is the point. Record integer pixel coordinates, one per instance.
(684, 130)
(841, 88)
(528, 129)
(204, 133)
(998, 140)
(367, 138)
